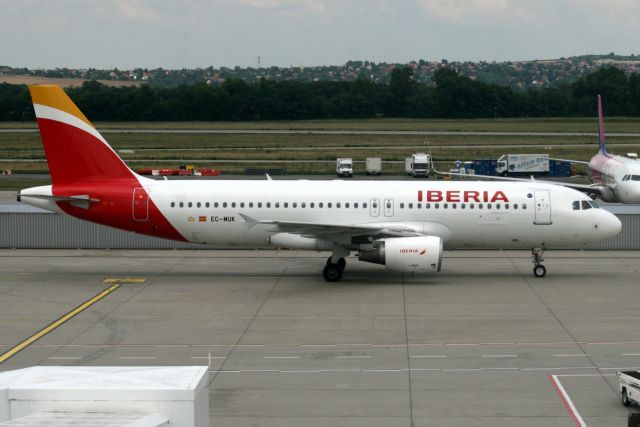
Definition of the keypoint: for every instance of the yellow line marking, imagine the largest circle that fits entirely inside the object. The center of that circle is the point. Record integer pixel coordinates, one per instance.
(125, 280)
(33, 338)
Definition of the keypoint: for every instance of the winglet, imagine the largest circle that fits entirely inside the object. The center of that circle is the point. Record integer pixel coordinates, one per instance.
(603, 148)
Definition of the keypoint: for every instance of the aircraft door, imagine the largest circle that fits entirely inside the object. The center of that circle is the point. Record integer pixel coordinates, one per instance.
(542, 207)
(140, 204)
(388, 207)
(374, 208)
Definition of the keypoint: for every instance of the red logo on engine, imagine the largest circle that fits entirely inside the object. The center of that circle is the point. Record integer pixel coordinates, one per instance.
(422, 252)
(413, 251)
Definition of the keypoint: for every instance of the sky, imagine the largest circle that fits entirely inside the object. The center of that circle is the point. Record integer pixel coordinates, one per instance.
(201, 33)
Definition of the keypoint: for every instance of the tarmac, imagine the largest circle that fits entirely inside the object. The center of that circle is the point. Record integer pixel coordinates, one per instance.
(483, 343)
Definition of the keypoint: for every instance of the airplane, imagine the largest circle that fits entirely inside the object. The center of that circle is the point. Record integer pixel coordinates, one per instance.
(614, 178)
(403, 225)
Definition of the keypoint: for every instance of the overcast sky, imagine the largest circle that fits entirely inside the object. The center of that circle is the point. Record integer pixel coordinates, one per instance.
(199, 33)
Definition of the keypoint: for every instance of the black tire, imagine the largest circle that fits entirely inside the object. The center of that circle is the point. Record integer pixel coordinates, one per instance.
(332, 273)
(539, 270)
(341, 264)
(625, 399)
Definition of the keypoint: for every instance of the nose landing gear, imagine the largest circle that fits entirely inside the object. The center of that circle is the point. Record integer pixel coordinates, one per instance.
(539, 270)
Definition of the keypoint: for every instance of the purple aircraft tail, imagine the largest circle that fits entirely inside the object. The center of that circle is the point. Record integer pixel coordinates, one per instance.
(603, 148)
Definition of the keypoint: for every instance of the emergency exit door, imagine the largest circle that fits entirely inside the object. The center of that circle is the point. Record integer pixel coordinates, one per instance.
(542, 207)
(140, 204)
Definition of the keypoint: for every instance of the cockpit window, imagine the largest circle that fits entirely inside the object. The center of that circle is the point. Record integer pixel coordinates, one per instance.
(576, 205)
(635, 177)
(586, 205)
(594, 204)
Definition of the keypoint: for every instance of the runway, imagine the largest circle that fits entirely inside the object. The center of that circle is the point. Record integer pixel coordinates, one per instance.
(484, 343)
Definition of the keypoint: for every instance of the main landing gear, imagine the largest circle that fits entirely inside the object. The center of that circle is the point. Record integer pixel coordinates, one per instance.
(539, 270)
(332, 272)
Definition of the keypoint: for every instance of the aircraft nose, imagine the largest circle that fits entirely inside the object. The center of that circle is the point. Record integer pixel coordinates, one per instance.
(610, 225)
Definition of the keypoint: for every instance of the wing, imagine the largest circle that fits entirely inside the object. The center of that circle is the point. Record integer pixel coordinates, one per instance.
(312, 229)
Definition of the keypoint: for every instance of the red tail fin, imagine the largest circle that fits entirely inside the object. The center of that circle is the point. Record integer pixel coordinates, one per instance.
(75, 150)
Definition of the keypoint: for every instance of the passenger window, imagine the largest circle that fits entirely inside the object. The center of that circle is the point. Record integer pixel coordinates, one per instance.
(329, 205)
(198, 204)
(497, 205)
(445, 205)
(190, 204)
(311, 205)
(515, 206)
(419, 206)
(471, 205)
(250, 204)
(173, 204)
(506, 205)
(462, 206)
(364, 205)
(355, 205)
(277, 204)
(401, 205)
(346, 205)
(488, 205)
(480, 205)
(375, 205)
(320, 205)
(259, 204)
(224, 205)
(410, 205)
(295, 204)
(215, 204)
(268, 204)
(585, 205)
(437, 205)
(576, 205)
(303, 205)
(388, 205)
(453, 205)
(524, 206)
(286, 204)
(206, 205)
(233, 204)
(337, 204)
(428, 205)
(242, 204)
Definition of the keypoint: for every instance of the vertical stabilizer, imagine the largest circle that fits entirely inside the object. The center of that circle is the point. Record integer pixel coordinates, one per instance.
(603, 148)
(75, 150)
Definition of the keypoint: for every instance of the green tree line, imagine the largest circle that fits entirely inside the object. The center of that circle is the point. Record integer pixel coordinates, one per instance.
(452, 96)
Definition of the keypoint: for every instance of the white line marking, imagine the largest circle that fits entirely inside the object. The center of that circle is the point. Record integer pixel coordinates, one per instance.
(207, 357)
(300, 372)
(136, 357)
(500, 355)
(571, 355)
(354, 357)
(569, 403)
(435, 356)
(462, 370)
(631, 354)
(281, 357)
(381, 370)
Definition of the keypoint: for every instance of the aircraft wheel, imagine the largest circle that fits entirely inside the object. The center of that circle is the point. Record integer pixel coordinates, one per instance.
(332, 273)
(625, 398)
(341, 264)
(539, 270)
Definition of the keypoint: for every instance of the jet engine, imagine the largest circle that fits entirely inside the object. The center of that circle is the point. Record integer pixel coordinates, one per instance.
(406, 254)
(608, 195)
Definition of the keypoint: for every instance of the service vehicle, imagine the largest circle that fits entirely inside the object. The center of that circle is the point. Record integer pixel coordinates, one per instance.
(419, 166)
(344, 167)
(629, 386)
(373, 166)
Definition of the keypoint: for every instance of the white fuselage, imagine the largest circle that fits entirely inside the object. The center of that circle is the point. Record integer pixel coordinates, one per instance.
(619, 174)
(524, 215)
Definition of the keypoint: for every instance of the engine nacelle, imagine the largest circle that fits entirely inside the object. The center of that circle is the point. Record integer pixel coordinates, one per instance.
(407, 254)
(608, 195)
